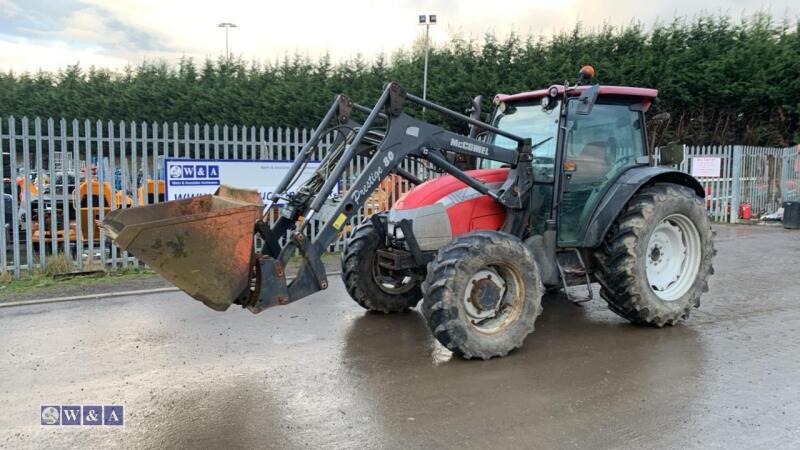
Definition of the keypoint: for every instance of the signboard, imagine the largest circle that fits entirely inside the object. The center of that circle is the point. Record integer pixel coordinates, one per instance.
(193, 177)
(704, 166)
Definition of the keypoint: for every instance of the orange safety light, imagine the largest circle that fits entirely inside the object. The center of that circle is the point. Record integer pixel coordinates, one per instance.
(586, 73)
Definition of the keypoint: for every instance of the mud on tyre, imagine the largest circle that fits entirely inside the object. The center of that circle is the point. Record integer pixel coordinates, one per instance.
(371, 286)
(657, 257)
(482, 294)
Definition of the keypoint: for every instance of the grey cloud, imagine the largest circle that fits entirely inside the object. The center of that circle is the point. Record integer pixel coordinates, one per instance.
(40, 20)
(95, 26)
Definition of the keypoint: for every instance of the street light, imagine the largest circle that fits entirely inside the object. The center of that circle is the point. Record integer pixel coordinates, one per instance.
(427, 21)
(227, 26)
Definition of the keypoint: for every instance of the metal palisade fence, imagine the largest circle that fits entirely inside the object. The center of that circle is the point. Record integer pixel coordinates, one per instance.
(60, 178)
(760, 178)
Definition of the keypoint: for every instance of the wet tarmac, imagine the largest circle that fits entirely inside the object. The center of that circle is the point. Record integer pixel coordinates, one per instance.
(322, 373)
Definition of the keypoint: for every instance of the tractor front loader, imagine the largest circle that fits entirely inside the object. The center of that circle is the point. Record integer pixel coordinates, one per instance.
(556, 190)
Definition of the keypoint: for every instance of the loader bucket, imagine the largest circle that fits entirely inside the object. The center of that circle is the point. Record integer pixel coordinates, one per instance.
(203, 245)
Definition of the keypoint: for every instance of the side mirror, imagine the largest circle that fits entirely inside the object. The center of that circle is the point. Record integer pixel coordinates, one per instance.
(670, 155)
(587, 99)
(656, 125)
(662, 117)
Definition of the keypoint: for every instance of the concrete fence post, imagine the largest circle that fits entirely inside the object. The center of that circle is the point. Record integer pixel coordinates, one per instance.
(736, 154)
(786, 166)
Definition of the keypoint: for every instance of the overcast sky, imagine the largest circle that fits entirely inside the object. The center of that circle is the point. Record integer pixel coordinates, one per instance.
(45, 34)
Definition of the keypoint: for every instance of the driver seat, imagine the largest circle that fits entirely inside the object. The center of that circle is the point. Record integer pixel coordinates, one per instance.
(592, 162)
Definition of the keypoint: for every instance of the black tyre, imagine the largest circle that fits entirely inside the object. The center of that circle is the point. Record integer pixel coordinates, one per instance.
(372, 287)
(657, 257)
(483, 293)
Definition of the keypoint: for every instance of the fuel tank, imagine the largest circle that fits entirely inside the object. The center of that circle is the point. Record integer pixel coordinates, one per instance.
(443, 208)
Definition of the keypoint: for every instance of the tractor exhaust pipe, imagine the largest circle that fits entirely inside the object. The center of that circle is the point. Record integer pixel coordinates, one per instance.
(203, 245)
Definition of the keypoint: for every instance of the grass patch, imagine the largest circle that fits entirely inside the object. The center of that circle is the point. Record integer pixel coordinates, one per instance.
(46, 280)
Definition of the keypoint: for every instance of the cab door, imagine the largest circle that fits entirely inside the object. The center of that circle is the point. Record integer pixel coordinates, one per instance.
(598, 147)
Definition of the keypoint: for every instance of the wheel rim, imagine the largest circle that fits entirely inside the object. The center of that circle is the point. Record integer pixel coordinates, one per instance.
(390, 283)
(494, 298)
(673, 257)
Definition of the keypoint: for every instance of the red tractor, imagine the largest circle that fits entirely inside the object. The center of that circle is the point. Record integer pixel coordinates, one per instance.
(557, 189)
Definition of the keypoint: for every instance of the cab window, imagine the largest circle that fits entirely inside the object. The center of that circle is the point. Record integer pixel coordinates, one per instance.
(532, 121)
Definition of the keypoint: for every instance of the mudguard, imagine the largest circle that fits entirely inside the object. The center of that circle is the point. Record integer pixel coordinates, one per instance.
(623, 189)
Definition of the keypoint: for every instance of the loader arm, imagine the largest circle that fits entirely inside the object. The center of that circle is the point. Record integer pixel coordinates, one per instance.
(204, 245)
(405, 137)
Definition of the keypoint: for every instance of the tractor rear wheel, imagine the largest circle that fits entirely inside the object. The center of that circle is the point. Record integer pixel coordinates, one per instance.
(657, 256)
(371, 286)
(483, 293)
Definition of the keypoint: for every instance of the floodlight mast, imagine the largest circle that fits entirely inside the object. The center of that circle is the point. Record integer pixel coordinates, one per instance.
(227, 26)
(428, 20)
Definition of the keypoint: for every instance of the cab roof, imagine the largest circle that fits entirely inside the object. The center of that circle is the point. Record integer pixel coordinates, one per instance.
(646, 95)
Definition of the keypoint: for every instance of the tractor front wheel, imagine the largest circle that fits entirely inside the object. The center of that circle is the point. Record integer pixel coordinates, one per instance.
(656, 259)
(371, 286)
(483, 293)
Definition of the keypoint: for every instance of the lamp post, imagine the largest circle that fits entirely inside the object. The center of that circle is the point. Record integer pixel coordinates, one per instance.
(227, 26)
(428, 20)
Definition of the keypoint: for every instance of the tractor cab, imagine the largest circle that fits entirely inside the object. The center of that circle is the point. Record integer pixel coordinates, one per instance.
(584, 138)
